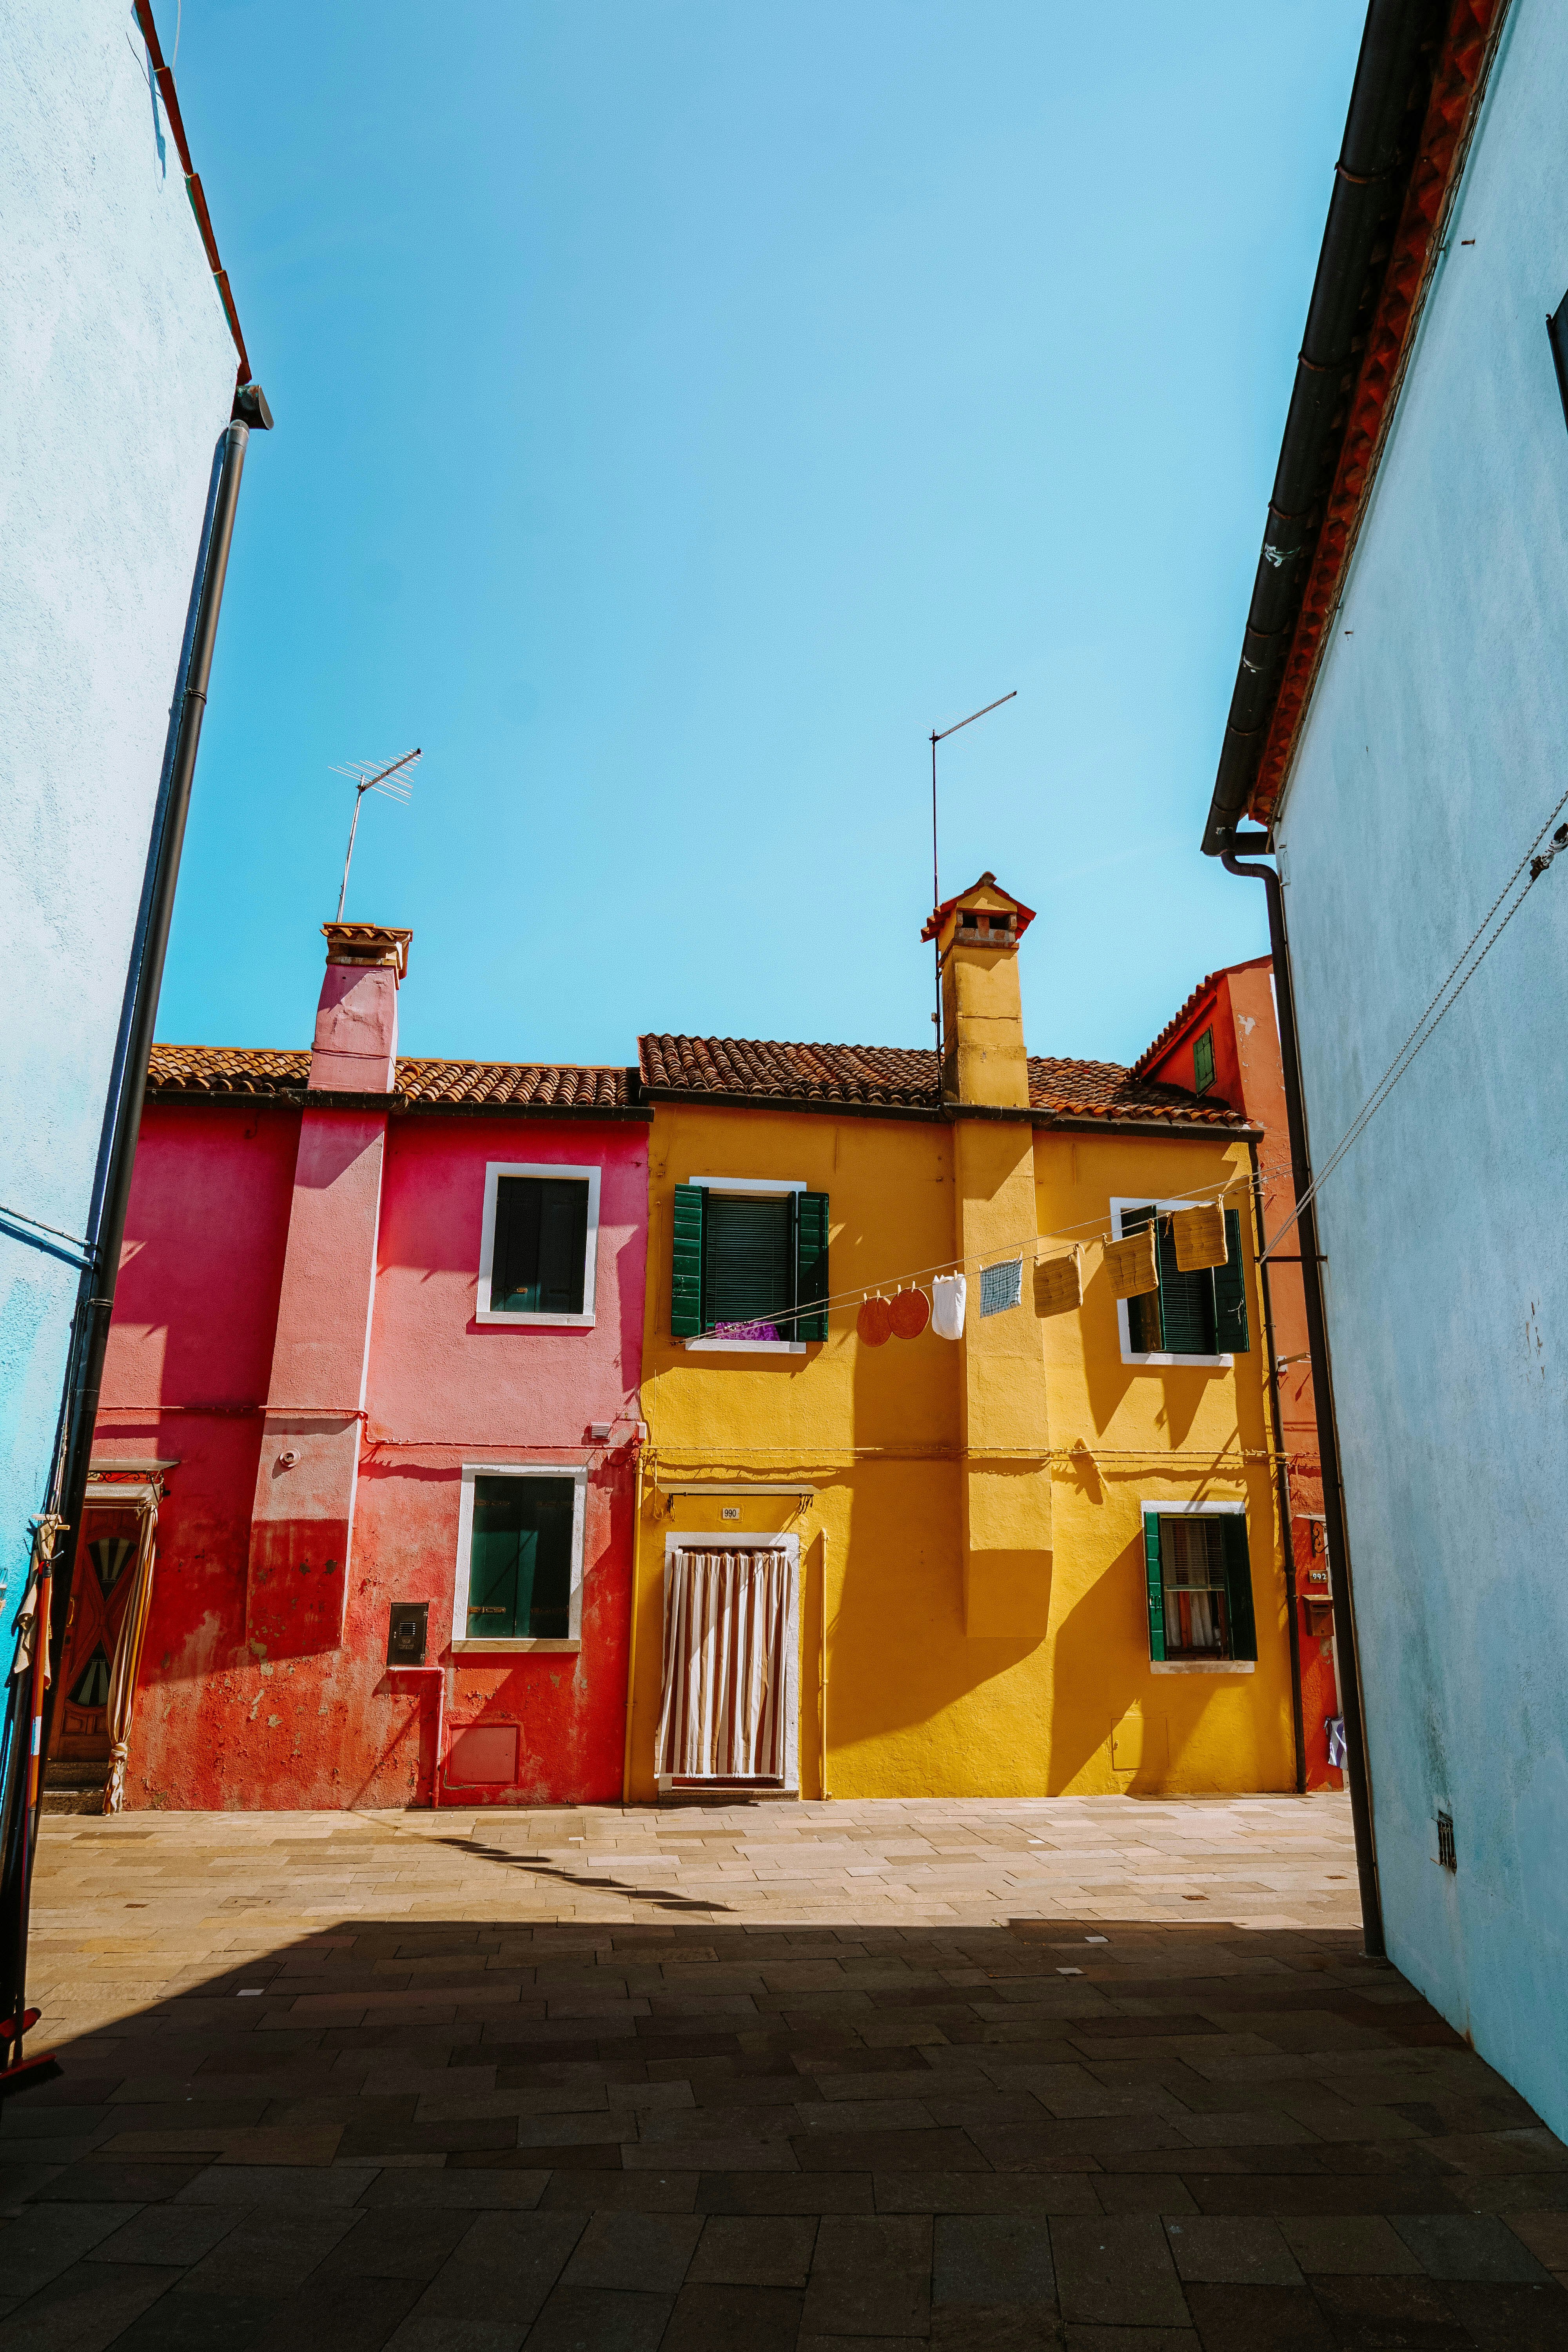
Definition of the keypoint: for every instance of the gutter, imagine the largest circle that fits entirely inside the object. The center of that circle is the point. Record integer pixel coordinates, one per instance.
(1368, 185)
(1357, 1768)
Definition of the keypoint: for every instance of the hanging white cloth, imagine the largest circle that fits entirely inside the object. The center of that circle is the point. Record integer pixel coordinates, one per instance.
(947, 1294)
(726, 1623)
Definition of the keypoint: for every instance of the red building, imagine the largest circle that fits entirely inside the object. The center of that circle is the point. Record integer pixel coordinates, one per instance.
(1224, 1042)
(375, 1365)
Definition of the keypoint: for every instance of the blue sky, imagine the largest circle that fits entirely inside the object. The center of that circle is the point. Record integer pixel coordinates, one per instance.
(682, 405)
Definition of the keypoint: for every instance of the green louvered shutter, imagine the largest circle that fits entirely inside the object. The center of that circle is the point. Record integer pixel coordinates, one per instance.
(1156, 1586)
(811, 1264)
(1238, 1586)
(686, 1262)
(1230, 1293)
(1186, 1301)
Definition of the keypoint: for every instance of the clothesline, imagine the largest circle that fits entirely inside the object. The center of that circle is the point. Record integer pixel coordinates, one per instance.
(998, 1255)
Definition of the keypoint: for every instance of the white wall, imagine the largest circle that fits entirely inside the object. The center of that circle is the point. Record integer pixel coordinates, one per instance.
(1435, 743)
(116, 376)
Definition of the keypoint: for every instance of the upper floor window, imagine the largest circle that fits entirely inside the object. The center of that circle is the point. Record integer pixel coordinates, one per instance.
(1202, 1063)
(1197, 1317)
(539, 1243)
(748, 1254)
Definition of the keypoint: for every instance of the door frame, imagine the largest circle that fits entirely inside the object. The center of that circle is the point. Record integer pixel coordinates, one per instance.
(676, 1787)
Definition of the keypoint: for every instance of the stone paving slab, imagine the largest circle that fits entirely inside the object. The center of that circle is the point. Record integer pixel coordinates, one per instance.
(1091, 2074)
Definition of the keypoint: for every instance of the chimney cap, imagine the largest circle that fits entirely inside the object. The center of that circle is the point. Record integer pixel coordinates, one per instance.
(984, 896)
(368, 944)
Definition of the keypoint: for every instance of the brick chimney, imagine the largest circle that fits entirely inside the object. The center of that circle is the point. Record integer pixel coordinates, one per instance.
(355, 1045)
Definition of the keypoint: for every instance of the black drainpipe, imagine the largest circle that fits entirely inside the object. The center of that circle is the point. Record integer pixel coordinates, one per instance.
(1356, 1771)
(89, 1337)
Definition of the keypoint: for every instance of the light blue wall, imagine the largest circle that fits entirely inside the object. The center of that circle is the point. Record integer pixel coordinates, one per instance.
(116, 376)
(1435, 743)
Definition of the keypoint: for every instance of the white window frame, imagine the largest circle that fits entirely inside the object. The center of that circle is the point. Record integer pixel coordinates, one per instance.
(771, 1188)
(1119, 1201)
(1206, 1510)
(704, 1539)
(494, 1171)
(465, 1645)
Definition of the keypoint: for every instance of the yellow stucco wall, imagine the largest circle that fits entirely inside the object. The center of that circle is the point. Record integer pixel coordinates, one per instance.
(1065, 1699)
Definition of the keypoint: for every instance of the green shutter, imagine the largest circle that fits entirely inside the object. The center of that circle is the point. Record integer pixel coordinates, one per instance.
(1156, 1586)
(811, 1264)
(1186, 1301)
(748, 1260)
(686, 1262)
(1238, 1586)
(1230, 1293)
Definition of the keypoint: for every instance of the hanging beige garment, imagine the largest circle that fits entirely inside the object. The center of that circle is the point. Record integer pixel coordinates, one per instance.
(726, 1624)
(1058, 1284)
(1132, 1264)
(1199, 1237)
(127, 1666)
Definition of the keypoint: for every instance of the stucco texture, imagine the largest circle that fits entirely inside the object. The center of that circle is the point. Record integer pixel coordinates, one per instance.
(1432, 752)
(996, 1646)
(116, 375)
(209, 1314)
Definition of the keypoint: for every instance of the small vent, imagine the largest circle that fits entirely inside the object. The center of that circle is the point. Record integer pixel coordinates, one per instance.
(1445, 1852)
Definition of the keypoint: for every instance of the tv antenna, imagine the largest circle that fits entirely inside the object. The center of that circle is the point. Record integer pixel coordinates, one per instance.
(940, 735)
(372, 776)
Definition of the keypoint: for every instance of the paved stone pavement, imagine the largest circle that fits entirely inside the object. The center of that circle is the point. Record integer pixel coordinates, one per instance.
(1092, 2074)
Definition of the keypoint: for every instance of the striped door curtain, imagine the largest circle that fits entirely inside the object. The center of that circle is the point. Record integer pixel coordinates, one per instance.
(727, 1616)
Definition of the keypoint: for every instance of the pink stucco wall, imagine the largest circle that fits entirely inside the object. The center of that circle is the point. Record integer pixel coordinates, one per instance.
(228, 1717)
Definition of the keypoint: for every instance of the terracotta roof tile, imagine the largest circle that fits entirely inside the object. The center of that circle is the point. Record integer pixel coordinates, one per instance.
(899, 1077)
(231, 1070)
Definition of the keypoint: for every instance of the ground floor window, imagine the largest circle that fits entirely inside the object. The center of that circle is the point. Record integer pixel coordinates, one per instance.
(520, 1556)
(1200, 1586)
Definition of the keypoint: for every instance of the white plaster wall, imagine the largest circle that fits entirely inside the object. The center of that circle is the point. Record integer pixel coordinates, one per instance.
(116, 376)
(1436, 742)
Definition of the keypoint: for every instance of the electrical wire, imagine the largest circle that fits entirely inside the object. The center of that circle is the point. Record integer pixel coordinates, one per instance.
(1440, 1005)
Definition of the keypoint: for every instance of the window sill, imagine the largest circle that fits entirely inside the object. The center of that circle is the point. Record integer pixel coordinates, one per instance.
(509, 1643)
(1203, 1665)
(746, 1347)
(1203, 1363)
(537, 1322)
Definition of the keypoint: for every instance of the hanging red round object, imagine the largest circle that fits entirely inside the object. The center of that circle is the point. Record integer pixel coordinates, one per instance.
(909, 1313)
(875, 1323)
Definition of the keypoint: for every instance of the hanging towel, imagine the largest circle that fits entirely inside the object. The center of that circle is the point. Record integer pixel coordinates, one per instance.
(1199, 1235)
(909, 1312)
(1132, 1264)
(1058, 1284)
(1001, 1286)
(1334, 1724)
(948, 1293)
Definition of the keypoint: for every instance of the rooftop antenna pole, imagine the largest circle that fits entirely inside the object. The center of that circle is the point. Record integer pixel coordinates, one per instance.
(941, 736)
(367, 776)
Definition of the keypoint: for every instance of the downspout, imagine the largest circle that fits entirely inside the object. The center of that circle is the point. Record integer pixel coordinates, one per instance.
(1282, 1476)
(1357, 1772)
(89, 1336)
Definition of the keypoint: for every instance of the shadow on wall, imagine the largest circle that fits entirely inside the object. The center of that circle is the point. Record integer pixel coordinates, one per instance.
(1101, 1645)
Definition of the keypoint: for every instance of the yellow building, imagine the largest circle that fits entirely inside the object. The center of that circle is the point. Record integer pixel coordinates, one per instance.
(1042, 1558)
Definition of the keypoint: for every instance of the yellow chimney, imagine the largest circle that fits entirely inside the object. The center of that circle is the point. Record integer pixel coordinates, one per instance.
(977, 936)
